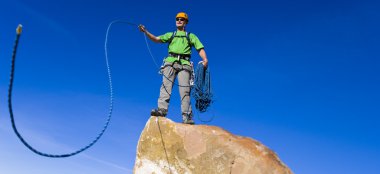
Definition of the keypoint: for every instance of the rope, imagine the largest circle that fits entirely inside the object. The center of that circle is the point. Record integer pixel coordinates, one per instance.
(202, 88)
(163, 144)
(204, 120)
(105, 46)
(19, 28)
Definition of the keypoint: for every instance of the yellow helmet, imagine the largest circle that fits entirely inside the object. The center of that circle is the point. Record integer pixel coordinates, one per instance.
(182, 15)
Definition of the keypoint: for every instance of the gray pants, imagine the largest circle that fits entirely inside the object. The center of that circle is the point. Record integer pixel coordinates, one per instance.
(170, 71)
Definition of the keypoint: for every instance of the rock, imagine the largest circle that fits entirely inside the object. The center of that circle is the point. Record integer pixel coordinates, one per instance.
(166, 147)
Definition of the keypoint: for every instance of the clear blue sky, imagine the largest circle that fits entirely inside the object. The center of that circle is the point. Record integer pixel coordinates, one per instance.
(302, 77)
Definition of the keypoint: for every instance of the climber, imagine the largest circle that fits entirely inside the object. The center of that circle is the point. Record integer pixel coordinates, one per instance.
(177, 63)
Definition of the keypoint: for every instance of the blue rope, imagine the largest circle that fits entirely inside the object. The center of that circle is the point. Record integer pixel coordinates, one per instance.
(202, 88)
(13, 120)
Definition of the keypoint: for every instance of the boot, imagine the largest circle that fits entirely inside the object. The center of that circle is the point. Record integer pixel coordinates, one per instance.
(160, 112)
(188, 118)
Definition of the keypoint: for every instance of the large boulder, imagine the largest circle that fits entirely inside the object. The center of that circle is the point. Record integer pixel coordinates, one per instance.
(166, 147)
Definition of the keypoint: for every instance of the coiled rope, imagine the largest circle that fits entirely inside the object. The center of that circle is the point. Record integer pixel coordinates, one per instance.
(202, 88)
(18, 32)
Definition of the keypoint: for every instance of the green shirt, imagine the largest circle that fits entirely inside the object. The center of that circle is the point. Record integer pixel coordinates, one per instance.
(180, 45)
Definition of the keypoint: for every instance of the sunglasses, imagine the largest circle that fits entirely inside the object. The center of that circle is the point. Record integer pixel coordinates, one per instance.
(180, 19)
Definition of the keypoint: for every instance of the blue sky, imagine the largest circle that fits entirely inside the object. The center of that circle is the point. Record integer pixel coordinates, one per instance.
(302, 77)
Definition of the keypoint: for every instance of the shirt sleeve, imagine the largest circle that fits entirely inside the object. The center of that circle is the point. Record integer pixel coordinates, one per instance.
(196, 42)
(165, 37)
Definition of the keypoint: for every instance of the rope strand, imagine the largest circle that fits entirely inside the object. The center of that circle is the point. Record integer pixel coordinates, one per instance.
(13, 119)
(202, 88)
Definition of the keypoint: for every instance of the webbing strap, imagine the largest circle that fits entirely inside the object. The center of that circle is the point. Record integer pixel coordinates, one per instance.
(175, 35)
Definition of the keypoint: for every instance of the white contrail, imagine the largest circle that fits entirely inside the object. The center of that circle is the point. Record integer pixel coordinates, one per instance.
(107, 163)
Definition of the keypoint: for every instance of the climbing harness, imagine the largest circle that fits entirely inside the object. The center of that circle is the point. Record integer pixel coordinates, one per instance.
(18, 32)
(162, 66)
(180, 56)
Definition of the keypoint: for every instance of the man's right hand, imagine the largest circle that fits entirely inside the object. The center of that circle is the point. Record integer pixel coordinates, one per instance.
(142, 28)
(150, 35)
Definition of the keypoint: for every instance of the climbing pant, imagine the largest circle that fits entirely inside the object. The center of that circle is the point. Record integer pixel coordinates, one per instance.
(170, 72)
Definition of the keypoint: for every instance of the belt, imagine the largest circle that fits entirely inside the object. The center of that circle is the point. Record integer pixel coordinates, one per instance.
(180, 56)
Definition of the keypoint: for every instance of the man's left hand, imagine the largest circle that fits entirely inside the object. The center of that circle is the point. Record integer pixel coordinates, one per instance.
(205, 63)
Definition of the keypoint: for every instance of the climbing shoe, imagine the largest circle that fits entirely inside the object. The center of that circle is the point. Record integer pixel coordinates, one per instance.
(159, 112)
(188, 118)
(188, 121)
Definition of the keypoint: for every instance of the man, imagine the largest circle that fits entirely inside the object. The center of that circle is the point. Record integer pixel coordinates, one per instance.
(177, 63)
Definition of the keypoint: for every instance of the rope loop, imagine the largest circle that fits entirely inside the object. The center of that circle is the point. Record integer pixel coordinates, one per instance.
(11, 79)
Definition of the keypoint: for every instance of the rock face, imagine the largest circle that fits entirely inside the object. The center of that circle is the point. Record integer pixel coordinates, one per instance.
(166, 147)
